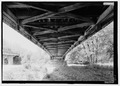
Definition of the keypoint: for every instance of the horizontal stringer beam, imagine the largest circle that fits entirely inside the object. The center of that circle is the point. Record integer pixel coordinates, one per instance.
(61, 42)
(22, 5)
(60, 11)
(63, 28)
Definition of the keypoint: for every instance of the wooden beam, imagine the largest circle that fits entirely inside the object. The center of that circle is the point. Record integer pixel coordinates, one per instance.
(31, 26)
(9, 14)
(62, 42)
(59, 45)
(105, 16)
(107, 20)
(48, 39)
(78, 17)
(35, 18)
(64, 45)
(36, 27)
(70, 41)
(59, 42)
(57, 48)
(51, 46)
(22, 5)
(108, 13)
(88, 29)
(74, 7)
(50, 14)
(69, 36)
(60, 38)
(49, 43)
(74, 26)
(105, 13)
(44, 32)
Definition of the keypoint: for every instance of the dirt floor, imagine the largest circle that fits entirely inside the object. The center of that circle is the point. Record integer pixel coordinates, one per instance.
(63, 72)
(58, 71)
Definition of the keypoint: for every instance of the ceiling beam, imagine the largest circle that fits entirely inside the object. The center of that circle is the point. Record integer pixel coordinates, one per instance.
(57, 42)
(64, 45)
(59, 38)
(35, 18)
(78, 17)
(51, 46)
(48, 39)
(36, 27)
(64, 28)
(74, 7)
(58, 45)
(69, 36)
(58, 48)
(62, 42)
(70, 41)
(22, 5)
(9, 14)
(32, 26)
(50, 14)
(105, 13)
(44, 32)
(74, 26)
(56, 39)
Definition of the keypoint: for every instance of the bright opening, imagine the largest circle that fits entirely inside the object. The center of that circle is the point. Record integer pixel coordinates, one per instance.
(29, 59)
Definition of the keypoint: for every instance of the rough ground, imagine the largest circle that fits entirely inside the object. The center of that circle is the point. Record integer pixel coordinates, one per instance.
(63, 72)
(58, 71)
(23, 73)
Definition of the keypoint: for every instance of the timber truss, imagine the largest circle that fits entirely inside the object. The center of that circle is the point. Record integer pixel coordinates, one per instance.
(57, 27)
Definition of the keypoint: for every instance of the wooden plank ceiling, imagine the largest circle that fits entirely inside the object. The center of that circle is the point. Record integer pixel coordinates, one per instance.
(56, 25)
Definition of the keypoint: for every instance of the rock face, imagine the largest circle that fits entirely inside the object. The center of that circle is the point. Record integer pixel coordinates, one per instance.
(96, 49)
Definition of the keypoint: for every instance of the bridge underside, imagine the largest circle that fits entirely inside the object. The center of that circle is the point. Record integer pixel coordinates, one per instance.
(57, 27)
